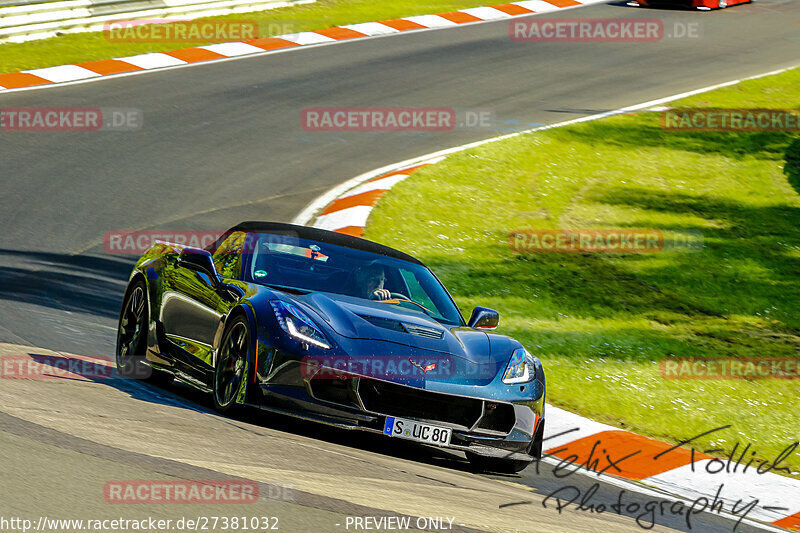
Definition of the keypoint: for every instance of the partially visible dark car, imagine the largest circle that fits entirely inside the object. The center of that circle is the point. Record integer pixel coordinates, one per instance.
(276, 316)
(696, 4)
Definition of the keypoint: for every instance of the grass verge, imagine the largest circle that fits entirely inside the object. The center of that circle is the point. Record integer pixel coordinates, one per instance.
(602, 322)
(80, 47)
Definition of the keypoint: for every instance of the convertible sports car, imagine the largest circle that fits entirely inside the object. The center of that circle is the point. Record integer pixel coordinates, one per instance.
(334, 329)
(697, 4)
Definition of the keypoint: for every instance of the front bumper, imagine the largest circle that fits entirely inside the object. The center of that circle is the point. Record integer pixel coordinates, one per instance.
(483, 420)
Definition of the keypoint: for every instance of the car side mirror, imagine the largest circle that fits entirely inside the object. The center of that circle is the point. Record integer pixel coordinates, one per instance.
(484, 318)
(201, 261)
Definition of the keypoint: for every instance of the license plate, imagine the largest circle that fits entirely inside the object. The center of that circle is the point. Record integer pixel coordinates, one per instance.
(412, 430)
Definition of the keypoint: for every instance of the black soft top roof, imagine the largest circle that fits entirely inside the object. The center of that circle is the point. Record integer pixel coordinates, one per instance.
(321, 235)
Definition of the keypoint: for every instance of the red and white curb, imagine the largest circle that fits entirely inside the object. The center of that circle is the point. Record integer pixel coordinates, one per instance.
(91, 70)
(349, 212)
(680, 471)
(688, 474)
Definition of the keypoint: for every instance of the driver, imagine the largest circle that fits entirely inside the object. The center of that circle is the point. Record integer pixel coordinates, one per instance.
(369, 280)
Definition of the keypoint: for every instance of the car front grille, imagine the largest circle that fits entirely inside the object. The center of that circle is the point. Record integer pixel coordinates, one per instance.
(398, 400)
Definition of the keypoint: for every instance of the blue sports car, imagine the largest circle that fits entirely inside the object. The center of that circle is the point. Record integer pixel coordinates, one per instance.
(334, 329)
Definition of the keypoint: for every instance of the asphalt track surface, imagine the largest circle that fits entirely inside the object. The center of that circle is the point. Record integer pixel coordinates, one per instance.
(221, 143)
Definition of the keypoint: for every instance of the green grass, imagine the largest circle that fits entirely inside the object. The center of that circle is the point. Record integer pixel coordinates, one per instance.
(79, 47)
(602, 322)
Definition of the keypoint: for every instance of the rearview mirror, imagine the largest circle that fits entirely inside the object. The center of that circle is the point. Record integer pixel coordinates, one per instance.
(484, 318)
(201, 261)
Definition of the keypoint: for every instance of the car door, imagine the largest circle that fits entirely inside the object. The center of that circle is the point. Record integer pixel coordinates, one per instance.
(193, 307)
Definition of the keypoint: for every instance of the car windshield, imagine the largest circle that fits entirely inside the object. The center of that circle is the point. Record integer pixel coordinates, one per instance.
(289, 262)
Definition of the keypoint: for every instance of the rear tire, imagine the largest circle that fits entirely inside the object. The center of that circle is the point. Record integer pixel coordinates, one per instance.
(230, 371)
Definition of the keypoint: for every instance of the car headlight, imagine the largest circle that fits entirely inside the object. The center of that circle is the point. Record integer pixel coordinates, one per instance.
(521, 367)
(298, 324)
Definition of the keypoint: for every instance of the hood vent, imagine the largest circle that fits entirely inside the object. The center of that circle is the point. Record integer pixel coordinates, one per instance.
(405, 327)
(423, 331)
(384, 323)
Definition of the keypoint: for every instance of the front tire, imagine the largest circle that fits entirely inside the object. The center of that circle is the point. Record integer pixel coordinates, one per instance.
(230, 372)
(132, 333)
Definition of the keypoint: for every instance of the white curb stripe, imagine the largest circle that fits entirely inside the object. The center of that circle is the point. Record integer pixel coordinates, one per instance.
(306, 37)
(431, 21)
(539, 6)
(371, 28)
(64, 73)
(154, 60)
(232, 49)
(352, 216)
(485, 13)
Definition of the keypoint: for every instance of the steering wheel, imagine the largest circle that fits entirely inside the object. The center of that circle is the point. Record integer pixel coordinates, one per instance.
(400, 296)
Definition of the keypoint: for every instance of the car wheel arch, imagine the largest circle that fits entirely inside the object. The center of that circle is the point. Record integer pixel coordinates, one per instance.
(136, 277)
(240, 310)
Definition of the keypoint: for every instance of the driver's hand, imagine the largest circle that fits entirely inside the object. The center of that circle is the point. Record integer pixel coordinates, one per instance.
(381, 294)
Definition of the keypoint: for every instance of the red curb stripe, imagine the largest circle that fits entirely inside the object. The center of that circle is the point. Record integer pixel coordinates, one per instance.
(355, 231)
(340, 34)
(402, 24)
(405, 171)
(271, 43)
(563, 3)
(790, 522)
(512, 9)
(365, 198)
(459, 17)
(194, 55)
(618, 444)
(15, 80)
(109, 66)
